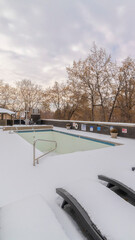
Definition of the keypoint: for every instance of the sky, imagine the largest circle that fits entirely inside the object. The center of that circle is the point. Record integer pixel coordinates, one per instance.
(40, 38)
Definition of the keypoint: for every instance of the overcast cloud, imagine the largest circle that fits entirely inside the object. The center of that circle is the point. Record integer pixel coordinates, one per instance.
(39, 38)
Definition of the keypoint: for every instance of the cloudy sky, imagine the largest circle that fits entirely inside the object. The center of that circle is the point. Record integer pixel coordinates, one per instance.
(39, 38)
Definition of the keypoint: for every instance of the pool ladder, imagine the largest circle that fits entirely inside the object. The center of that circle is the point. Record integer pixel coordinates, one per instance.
(34, 150)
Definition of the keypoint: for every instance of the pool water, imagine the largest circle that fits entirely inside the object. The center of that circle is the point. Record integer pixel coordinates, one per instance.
(66, 143)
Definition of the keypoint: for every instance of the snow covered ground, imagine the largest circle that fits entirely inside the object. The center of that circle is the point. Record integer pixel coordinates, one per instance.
(23, 186)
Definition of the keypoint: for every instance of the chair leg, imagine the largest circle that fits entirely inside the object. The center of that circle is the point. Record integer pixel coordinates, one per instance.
(63, 204)
(109, 185)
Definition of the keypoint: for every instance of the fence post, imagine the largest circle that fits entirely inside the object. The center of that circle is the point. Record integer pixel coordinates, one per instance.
(34, 153)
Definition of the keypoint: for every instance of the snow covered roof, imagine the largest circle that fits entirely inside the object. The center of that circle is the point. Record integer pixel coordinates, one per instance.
(6, 111)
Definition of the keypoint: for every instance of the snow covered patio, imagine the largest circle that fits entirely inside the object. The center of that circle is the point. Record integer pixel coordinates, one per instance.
(28, 198)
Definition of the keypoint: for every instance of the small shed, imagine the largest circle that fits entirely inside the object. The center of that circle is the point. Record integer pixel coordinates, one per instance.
(6, 117)
(35, 115)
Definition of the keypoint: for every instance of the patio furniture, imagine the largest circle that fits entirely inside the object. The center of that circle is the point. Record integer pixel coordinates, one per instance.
(86, 222)
(113, 182)
(100, 213)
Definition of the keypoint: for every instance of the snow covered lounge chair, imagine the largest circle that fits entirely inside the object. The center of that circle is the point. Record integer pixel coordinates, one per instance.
(87, 224)
(113, 182)
(102, 213)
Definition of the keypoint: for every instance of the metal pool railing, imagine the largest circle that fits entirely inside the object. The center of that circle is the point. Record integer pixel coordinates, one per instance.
(34, 150)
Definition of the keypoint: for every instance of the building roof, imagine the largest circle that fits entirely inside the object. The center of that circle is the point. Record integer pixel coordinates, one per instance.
(6, 111)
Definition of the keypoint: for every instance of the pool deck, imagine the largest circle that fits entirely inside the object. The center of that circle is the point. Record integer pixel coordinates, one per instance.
(97, 136)
(20, 180)
(27, 127)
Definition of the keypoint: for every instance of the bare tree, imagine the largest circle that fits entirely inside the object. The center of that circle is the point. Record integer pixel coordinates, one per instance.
(96, 89)
(126, 100)
(94, 77)
(80, 75)
(29, 95)
(56, 98)
(6, 95)
(73, 99)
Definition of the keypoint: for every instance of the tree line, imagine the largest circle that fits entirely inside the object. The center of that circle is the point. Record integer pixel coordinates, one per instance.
(96, 89)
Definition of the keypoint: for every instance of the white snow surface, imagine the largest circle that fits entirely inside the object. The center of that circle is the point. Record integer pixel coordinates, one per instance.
(96, 122)
(30, 218)
(6, 111)
(23, 186)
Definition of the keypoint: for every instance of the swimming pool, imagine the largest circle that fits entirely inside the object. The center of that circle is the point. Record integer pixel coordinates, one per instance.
(66, 143)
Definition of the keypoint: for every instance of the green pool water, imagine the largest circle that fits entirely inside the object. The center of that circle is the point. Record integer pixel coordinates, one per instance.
(66, 143)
